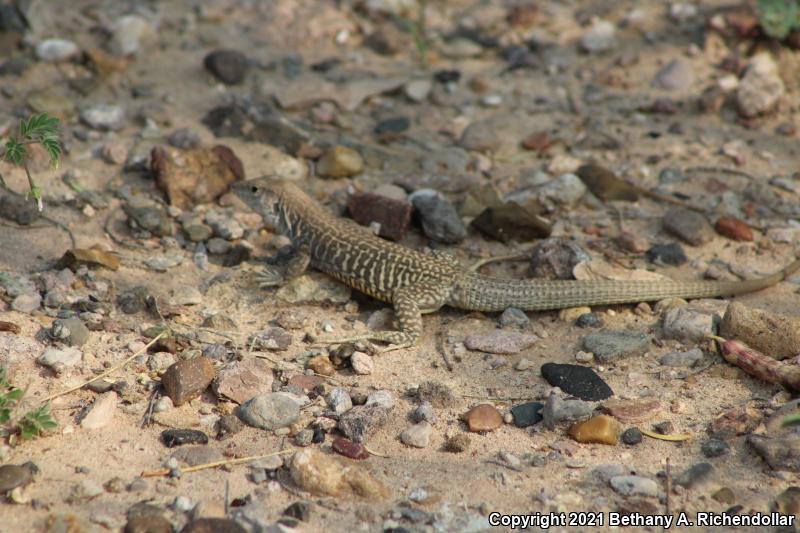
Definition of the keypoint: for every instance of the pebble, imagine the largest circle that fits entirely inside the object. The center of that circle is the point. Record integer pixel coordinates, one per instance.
(761, 88)
(104, 117)
(382, 398)
(734, 229)
(424, 412)
(775, 334)
(127, 32)
(179, 437)
(224, 226)
(242, 380)
(388, 217)
(440, 220)
(523, 364)
(513, 317)
(633, 411)
(339, 400)
(304, 437)
(321, 365)
(228, 66)
(482, 136)
(500, 342)
(601, 429)
(600, 37)
(715, 448)
(13, 476)
(671, 254)
(685, 359)
(576, 380)
(100, 413)
(197, 231)
(631, 436)
(557, 410)
(418, 435)
(214, 525)
(527, 414)
(483, 417)
(361, 421)
(630, 485)
(324, 475)
(786, 503)
(299, 511)
(217, 246)
(133, 300)
(227, 426)
(348, 448)
(362, 363)
(187, 379)
(780, 453)
(688, 225)
(566, 190)
(555, 258)
(27, 303)
(694, 475)
(270, 411)
(687, 325)
(392, 125)
(55, 50)
(607, 345)
(273, 339)
(676, 75)
(58, 359)
(340, 162)
(147, 216)
(185, 295)
(418, 90)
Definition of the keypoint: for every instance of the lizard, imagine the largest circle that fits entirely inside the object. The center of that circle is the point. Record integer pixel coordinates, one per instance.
(417, 283)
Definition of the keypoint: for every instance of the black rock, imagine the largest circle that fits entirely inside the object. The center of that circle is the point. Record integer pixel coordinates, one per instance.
(440, 220)
(236, 256)
(631, 436)
(213, 525)
(299, 510)
(715, 448)
(527, 414)
(447, 76)
(228, 66)
(579, 381)
(179, 437)
(18, 209)
(319, 435)
(588, 320)
(667, 254)
(694, 475)
(392, 125)
(134, 300)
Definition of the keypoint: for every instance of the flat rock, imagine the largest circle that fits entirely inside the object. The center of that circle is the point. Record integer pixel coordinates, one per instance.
(101, 412)
(483, 417)
(388, 217)
(500, 342)
(13, 476)
(688, 225)
(270, 411)
(340, 162)
(242, 380)
(187, 379)
(688, 325)
(557, 410)
(418, 435)
(58, 359)
(629, 485)
(576, 380)
(361, 421)
(609, 345)
(527, 414)
(633, 411)
(324, 475)
(197, 455)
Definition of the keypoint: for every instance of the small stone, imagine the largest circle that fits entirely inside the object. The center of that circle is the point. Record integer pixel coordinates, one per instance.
(323, 475)
(149, 217)
(213, 525)
(688, 225)
(726, 495)
(104, 117)
(387, 217)
(274, 338)
(58, 359)
(567, 189)
(483, 417)
(382, 398)
(686, 359)
(217, 246)
(270, 411)
(630, 485)
(418, 90)
(600, 37)
(514, 317)
(424, 412)
(780, 453)
(601, 429)
(588, 320)
(500, 342)
(392, 125)
(609, 345)
(440, 220)
(242, 380)
(761, 88)
(348, 448)
(775, 334)
(340, 162)
(114, 153)
(71, 330)
(321, 365)
(13, 476)
(667, 254)
(687, 325)
(482, 136)
(228, 66)
(179, 437)
(304, 437)
(362, 363)
(576, 380)
(694, 475)
(715, 448)
(227, 426)
(632, 436)
(127, 32)
(556, 258)
(557, 410)
(527, 414)
(198, 232)
(185, 295)
(187, 379)
(55, 50)
(27, 303)
(339, 400)
(523, 364)
(633, 411)
(100, 413)
(458, 443)
(224, 226)
(676, 75)
(418, 435)
(734, 228)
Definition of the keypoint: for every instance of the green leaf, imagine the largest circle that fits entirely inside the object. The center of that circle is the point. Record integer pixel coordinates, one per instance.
(15, 151)
(15, 394)
(778, 17)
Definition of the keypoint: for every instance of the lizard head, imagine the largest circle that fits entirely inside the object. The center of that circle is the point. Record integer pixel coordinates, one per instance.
(265, 196)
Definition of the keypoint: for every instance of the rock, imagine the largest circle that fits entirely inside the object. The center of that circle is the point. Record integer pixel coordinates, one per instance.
(59, 359)
(786, 503)
(339, 400)
(13, 476)
(761, 87)
(676, 75)
(424, 412)
(687, 325)
(362, 363)
(527, 414)
(601, 429)
(588, 320)
(609, 345)
(686, 359)
(483, 417)
(387, 217)
(773, 334)
(242, 380)
(323, 475)
(213, 525)
(274, 338)
(190, 177)
(511, 221)
(127, 32)
(179, 437)
(440, 220)
(734, 228)
(104, 117)
(185, 295)
(633, 411)
(600, 37)
(514, 317)
(348, 448)
(184, 138)
(482, 136)
(577, 380)
(634, 486)
(314, 287)
(148, 216)
(392, 125)
(100, 413)
(557, 410)
(299, 511)
(340, 162)
(694, 475)
(270, 411)
(227, 426)
(55, 50)
(418, 90)
(688, 225)
(780, 453)
(458, 443)
(52, 101)
(27, 303)
(418, 435)
(228, 66)
(187, 379)
(631, 436)
(438, 394)
(555, 258)
(382, 398)
(566, 190)
(500, 342)
(361, 421)
(133, 300)
(671, 254)
(715, 448)
(321, 365)
(19, 209)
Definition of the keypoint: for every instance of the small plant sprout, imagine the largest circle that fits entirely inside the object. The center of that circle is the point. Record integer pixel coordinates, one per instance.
(30, 424)
(41, 129)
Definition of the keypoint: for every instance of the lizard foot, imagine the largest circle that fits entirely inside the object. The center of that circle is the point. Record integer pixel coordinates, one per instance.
(269, 277)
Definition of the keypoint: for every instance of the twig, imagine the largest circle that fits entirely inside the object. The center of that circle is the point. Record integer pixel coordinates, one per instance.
(111, 370)
(501, 463)
(226, 462)
(148, 414)
(376, 454)
(723, 170)
(669, 487)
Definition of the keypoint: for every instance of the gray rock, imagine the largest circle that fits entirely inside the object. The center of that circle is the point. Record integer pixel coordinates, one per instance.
(418, 435)
(687, 325)
(556, 258)
(600, 37)
(694, 475)
(605, 472)
(217, 246)
(270, 411)
(72, 330)
(611, 345)
(567, 189)
(500, 342)
(224, 226)
(688, 225)
(104, 117)
(424, 412)
(185, 295)
(440, 220)
(761, 88)
(304, 437)
(163, 262)
(184, 138)
(274, 338)
(689, 358)
(361, 421)
(339, 400)
(557, 410)
(127, 33)
(55, 50)
(418, 90)
(676, 75)
(362, 363)
(382, 398)
(630, 485)
(58, 359)
(27, 303)
(513, 317)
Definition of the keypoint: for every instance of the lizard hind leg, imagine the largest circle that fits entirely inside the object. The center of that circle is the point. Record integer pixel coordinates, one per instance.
(289, 267)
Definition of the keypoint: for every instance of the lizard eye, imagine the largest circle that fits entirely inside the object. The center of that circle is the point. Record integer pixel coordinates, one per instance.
(254, 189)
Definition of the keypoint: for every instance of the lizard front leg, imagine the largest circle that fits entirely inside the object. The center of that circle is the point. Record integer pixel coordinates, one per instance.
(290, 265)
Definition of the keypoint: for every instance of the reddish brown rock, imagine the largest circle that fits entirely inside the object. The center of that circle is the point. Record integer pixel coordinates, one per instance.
(306, 382)
(187, 379)
(734, 228)
(348, 448)
(483, 417)
(390, 215)
(633, 411)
